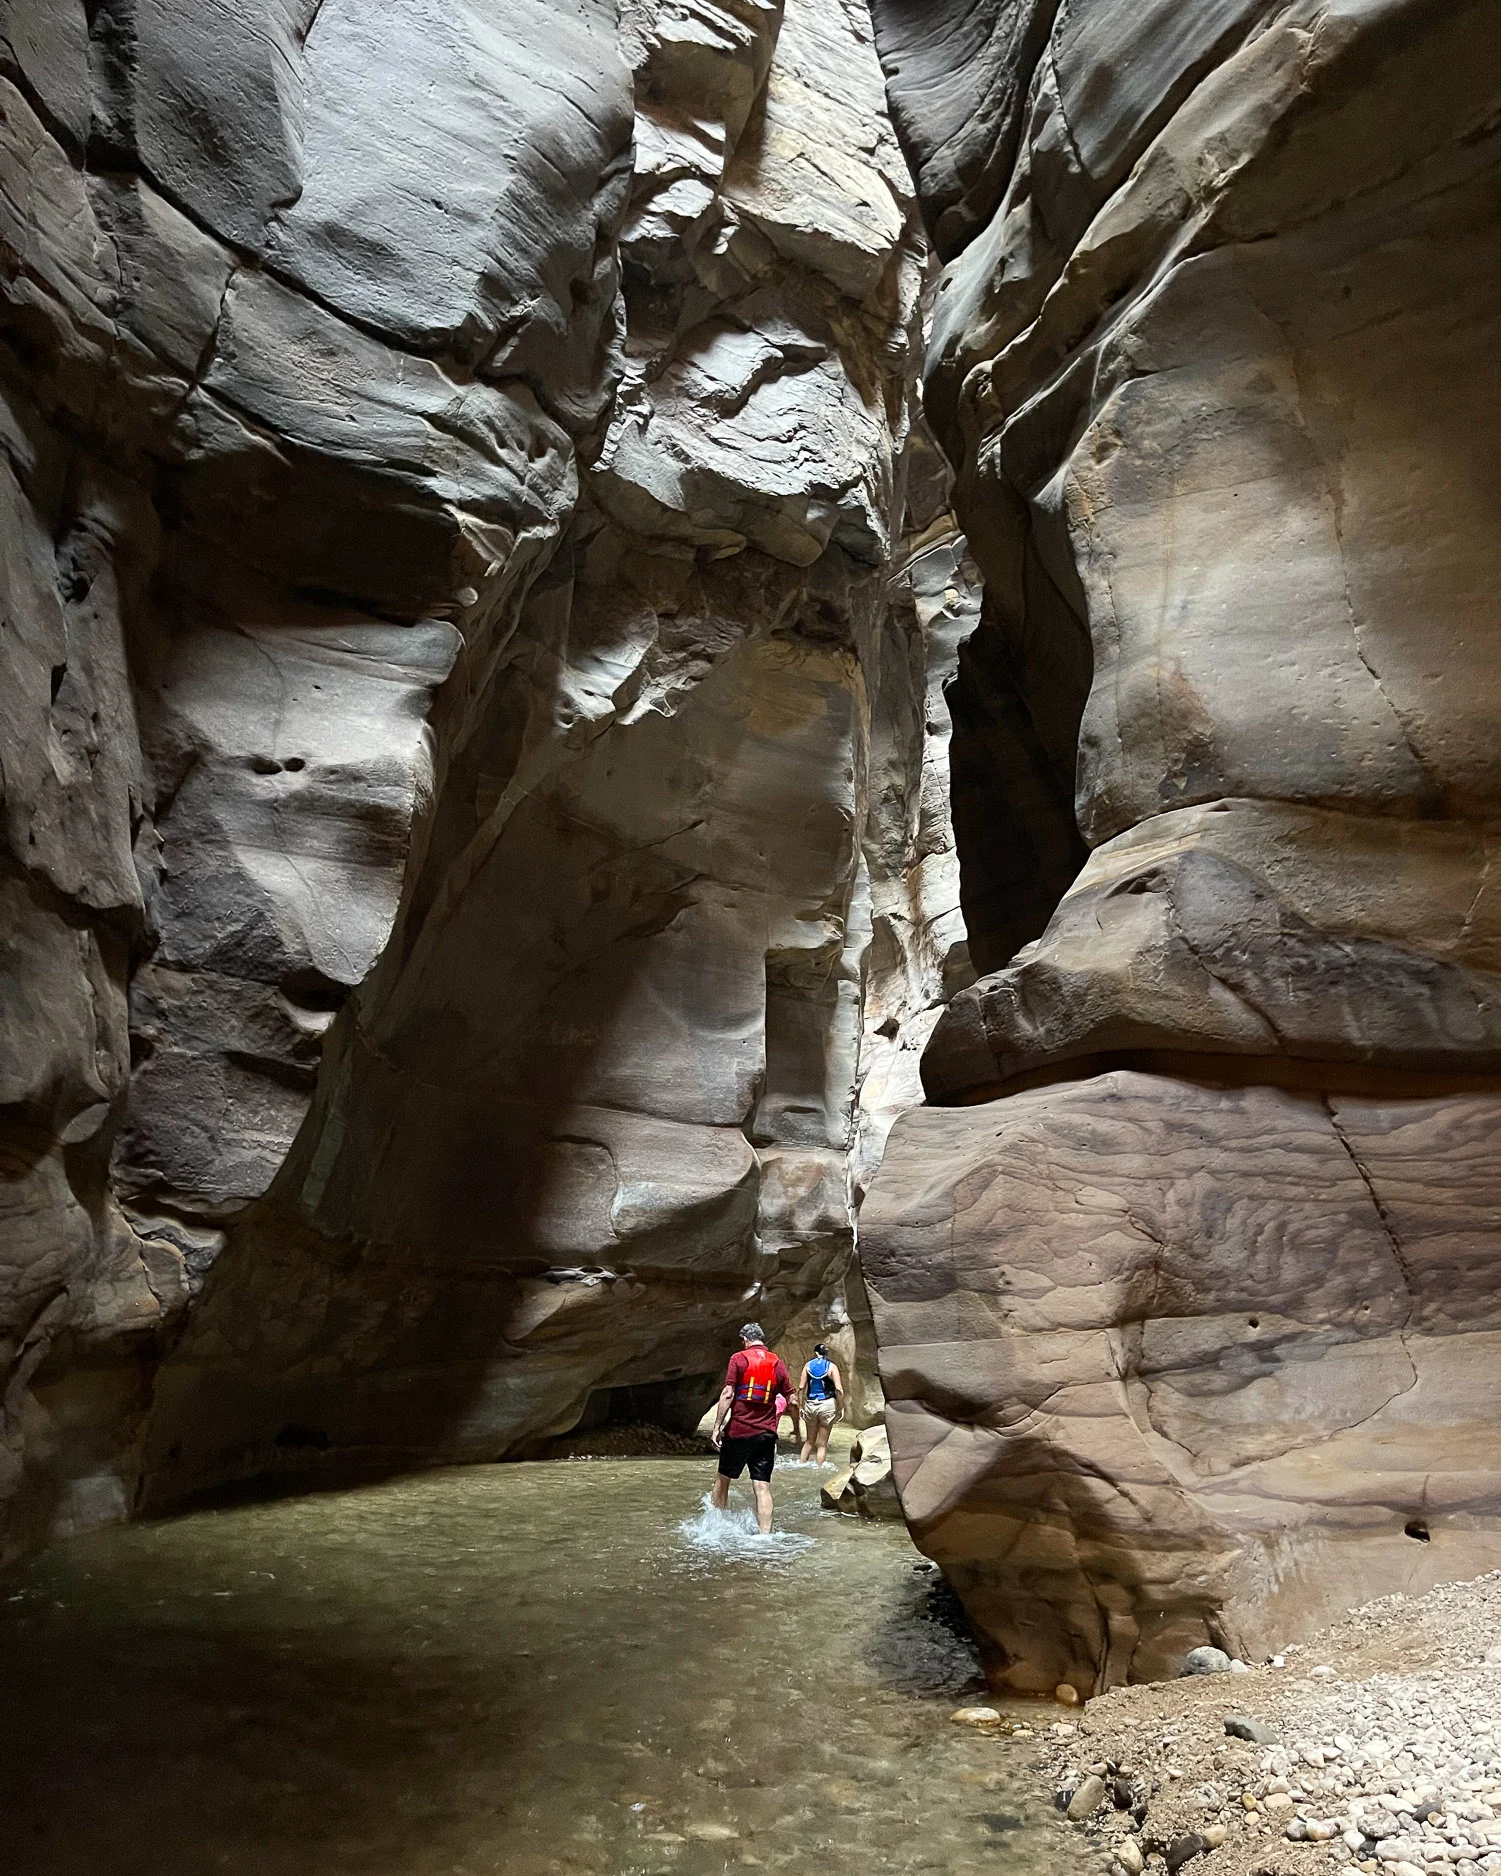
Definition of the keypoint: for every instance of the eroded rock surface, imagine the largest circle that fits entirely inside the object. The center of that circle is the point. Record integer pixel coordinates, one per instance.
(465, 774)
(1213, 360)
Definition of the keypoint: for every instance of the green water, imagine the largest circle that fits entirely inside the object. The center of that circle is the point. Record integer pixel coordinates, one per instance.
(523, 1669)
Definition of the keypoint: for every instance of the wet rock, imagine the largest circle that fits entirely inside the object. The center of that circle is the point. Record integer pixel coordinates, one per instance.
(865, 1489)
(975, 1716)
(1184, 1849)
(835, 1494)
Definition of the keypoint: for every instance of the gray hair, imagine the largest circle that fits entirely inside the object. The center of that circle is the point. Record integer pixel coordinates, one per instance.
(752, 1332)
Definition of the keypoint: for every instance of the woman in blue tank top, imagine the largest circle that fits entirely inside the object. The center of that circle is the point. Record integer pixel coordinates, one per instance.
(821, 1390)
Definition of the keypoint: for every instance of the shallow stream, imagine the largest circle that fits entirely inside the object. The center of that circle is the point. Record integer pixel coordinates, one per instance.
(559, 1667)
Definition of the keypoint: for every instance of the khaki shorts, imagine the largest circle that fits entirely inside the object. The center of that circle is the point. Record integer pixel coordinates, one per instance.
(821, 1411)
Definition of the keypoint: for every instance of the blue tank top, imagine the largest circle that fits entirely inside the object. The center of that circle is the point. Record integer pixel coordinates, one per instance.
(820, 1379)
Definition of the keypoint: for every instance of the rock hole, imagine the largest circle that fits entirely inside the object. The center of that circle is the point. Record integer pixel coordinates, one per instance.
(310, 989)
(59, 672)
(293, 764)
(263, 765)
(1254, 1322)
(1415, 1527)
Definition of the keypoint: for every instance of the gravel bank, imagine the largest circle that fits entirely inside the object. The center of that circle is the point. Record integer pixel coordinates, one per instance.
(1376, 1748)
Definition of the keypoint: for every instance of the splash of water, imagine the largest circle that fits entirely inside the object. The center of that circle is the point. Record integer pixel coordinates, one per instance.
(733, 1533)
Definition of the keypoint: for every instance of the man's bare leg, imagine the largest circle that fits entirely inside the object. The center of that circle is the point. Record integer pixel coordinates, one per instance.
(719, 1498)
(763, 1504)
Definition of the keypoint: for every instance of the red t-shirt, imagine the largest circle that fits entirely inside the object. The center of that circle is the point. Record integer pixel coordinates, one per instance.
(748, 1417)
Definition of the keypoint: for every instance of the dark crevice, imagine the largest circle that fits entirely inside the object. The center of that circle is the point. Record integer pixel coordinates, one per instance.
(1012, 788)
(310, 989)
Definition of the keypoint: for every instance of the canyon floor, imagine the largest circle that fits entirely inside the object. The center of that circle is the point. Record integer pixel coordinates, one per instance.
(536, 1669)
(1380, 1738)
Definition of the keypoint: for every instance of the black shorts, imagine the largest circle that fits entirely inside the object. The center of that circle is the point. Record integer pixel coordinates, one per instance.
(756, 1450)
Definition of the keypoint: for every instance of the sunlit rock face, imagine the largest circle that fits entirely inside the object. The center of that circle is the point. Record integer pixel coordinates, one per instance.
(1182, 1340)
(472, 723)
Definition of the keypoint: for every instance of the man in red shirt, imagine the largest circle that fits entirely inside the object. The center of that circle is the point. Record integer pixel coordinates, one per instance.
(756, 1388)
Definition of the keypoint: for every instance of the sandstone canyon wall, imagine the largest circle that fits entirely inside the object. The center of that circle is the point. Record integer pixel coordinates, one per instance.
(472, 733)
(1188, 1283)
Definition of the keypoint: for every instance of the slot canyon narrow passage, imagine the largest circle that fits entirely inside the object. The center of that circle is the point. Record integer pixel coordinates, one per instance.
(823, 664)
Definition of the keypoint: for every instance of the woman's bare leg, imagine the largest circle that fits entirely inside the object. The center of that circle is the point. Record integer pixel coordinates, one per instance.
(824, 1429)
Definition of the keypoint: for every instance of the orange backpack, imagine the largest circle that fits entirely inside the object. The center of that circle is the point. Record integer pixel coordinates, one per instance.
(758, 1383)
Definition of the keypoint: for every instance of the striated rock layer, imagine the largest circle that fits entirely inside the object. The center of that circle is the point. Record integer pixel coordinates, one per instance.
(1184, 1313)
(470, 728)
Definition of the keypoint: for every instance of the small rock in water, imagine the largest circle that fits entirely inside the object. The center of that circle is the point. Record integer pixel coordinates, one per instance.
(833, 1493)
(711, 1833)
(975, 1716)
(1128, 1856)
(1087, 1799)
(1183, 1849)
(1206, 1661)
(1242, 1726)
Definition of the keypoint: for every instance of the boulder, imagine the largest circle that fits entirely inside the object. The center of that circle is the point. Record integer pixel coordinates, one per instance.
(1165, 1361)
(836, 1494)
(865, 1489)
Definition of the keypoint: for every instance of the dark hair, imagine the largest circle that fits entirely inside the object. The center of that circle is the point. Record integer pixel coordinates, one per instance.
(820, 1349)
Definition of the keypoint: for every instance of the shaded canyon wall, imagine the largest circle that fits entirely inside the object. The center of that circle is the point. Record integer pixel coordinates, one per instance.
(1188, 1284)
(472, 736)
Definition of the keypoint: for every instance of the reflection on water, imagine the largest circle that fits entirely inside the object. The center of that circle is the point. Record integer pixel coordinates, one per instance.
(561, 1667)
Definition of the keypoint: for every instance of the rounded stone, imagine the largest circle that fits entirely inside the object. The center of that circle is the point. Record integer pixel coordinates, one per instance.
(1087, 1798)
